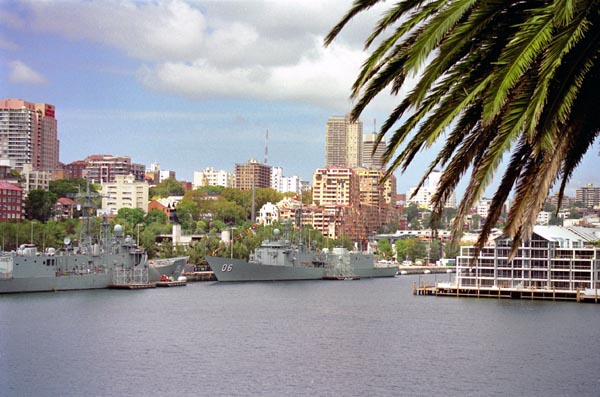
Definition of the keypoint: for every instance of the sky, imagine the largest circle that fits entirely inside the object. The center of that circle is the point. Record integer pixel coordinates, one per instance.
(196, 84)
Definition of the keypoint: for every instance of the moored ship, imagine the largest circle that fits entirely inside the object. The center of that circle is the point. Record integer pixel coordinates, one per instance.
(274, 260)
(170, 267)
(87, 266)
(279, 260)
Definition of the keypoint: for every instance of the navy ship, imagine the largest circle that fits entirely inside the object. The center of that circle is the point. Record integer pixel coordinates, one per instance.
(275, 259)
(90, 265)
(279, 260)
(169, 267)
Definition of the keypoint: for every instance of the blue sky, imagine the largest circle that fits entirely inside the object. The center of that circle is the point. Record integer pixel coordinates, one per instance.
(194, 84)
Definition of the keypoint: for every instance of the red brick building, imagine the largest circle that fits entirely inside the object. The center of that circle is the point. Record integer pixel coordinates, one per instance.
(11, 202)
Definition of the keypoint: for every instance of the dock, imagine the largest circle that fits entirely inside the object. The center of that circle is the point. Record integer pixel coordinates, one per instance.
(200, 276)
(171, 284)
(132, 286)
(450, 289)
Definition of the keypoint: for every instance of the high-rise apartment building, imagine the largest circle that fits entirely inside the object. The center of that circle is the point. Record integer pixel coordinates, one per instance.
(343, 142)
(103, 168)
(28, 134)
(588, 195)
(252, 175)
(373, 154)
(335, 186)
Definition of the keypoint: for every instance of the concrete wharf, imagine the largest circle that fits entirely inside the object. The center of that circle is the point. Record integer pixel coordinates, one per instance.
(132, 286)
(200, 276)
(171, 283)
(451, 289)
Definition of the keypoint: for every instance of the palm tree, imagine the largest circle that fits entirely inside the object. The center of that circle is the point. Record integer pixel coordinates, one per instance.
(495, 77)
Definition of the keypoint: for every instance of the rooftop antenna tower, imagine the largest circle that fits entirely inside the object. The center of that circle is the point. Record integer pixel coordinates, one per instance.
(267, 147)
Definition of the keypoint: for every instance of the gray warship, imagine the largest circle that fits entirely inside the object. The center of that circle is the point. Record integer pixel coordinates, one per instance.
(90, 265)
(170, 267)
(279, 260)
(275, 259)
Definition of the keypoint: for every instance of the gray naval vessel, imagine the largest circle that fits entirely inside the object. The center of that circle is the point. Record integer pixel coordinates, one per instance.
(275, 259)
(90, 265)
(170, 267)
(279, 260)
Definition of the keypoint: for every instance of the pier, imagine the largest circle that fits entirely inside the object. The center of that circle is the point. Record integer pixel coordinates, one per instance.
(451, 289)
(167, 284)
(200, 276)
(132, 286)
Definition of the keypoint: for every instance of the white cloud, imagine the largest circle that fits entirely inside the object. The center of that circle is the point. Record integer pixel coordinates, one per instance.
(21, 73)
(266, 50)
(143, 30)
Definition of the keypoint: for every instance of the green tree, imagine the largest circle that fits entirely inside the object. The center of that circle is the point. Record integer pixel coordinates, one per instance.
(384, 248)
(155, 216)
(39, 203)
(68, 187)
(168, 187)
(133, 216)
(494, 78)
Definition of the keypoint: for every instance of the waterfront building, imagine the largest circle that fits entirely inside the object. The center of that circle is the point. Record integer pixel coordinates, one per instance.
(11, 202)
(343, 142)
(588, 195)
(252, 175)
(125, 192)
(373, 154)
(211, 177)
(28, 134)
(555, 259)
(103, 168)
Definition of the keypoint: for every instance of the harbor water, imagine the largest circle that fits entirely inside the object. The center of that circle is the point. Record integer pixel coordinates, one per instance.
(311, 338)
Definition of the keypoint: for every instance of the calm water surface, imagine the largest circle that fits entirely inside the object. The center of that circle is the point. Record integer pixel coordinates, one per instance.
(336, 338)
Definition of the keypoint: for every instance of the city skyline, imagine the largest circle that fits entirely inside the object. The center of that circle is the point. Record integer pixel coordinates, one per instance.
(182, 83)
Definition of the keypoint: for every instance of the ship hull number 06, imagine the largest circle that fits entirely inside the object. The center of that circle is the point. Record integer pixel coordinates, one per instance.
(227, 267)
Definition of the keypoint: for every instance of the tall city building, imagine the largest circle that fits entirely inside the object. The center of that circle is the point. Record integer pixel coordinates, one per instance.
(588, 195)
(28, 134)
(103, 168)
(343, 142)
(252, 175)
(373, 154)
(335, 186)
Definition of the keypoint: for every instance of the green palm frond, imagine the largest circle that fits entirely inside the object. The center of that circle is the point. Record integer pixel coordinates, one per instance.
(497, 78)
